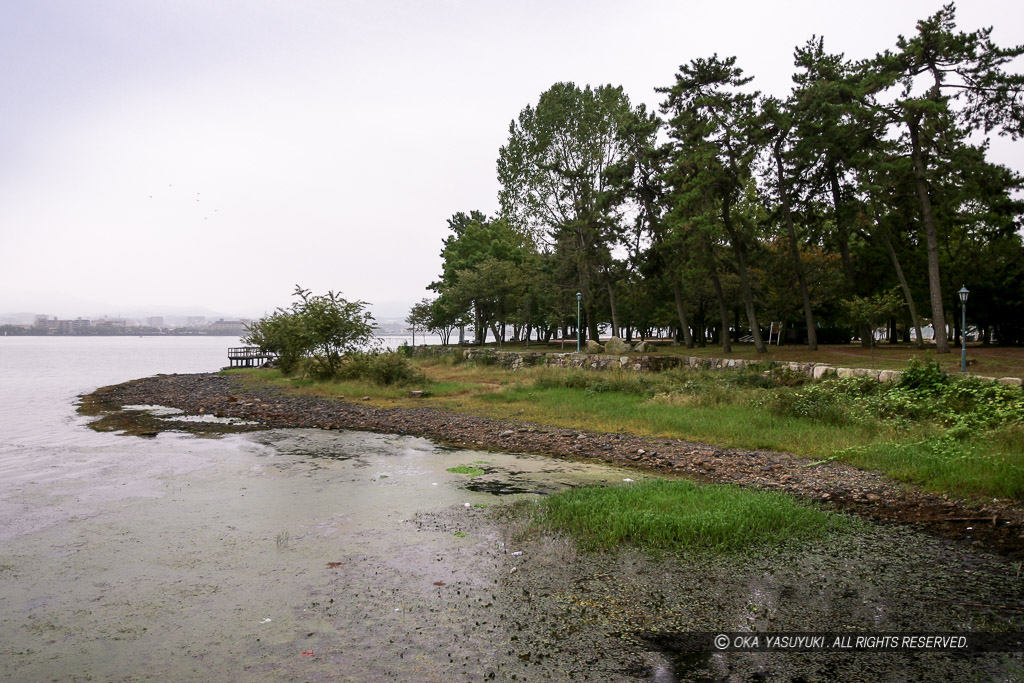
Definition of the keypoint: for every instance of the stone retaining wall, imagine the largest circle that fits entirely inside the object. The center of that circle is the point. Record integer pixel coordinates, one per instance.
(515, 360)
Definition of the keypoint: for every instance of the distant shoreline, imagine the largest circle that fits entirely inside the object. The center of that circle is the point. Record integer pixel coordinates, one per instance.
(8, 330)
(118, 334)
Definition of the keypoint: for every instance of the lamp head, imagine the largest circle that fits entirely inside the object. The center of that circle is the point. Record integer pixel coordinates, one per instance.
(963, 294)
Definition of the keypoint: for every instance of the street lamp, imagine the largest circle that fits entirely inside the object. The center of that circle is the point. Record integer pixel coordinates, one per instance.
(963, 327)
(579, 330)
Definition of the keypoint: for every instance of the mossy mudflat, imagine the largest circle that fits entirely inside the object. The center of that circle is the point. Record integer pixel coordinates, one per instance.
(468, 470)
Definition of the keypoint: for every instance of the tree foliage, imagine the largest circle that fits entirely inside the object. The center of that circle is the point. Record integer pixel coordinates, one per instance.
(732, 210)
(419, 318)
(555, 184)
(315, 334)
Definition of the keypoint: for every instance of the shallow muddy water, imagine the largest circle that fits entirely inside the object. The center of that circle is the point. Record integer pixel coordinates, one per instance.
(288, 555)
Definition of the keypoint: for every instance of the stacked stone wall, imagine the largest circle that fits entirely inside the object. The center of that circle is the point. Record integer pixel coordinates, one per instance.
(514, 360)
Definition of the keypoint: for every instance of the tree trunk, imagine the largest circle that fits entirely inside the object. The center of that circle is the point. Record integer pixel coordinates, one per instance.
(741, 263)
(915, 320)
(812, 333)
(591, 321)
(681, 312)
(723, 313)
(931, 239)
(611, 304)
(843, 233)
(480, 328)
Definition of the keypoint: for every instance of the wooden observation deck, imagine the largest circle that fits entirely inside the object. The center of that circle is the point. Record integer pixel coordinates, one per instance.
(248, 357)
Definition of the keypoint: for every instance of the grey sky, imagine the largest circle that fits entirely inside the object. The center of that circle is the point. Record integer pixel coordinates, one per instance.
(218, 152)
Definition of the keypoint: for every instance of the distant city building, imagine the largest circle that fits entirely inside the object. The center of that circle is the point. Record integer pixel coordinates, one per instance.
(106, 325)
(73, 326)
(46, 322)
(54, 326)
(229, 326)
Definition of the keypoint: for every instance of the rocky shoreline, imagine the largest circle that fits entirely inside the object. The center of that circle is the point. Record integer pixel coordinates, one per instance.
(996, 526)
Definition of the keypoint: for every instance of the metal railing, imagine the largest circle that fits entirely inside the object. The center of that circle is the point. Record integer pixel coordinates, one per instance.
(248, 356)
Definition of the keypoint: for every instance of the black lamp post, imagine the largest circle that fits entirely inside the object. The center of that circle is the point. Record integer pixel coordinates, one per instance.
(579, 330)
(963, 327)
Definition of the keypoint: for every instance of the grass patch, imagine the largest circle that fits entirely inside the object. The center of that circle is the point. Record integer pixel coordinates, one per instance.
(735, 423)
(356, 389)
(680, 515)
(468, 470)
(946, 464)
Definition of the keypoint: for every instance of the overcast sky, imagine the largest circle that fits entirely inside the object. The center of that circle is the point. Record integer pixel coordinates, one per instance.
(217, 152)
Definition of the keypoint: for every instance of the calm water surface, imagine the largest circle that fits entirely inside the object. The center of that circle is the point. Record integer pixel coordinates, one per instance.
(42, 376)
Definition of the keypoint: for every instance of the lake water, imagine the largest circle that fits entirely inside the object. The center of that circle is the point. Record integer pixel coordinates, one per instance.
(279, 555)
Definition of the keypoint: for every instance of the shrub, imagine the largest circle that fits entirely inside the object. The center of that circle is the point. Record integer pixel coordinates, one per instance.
(925, 375)
(925, 393)
(393, 369)
(321, 328)
(389, 368)
(818, 402)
